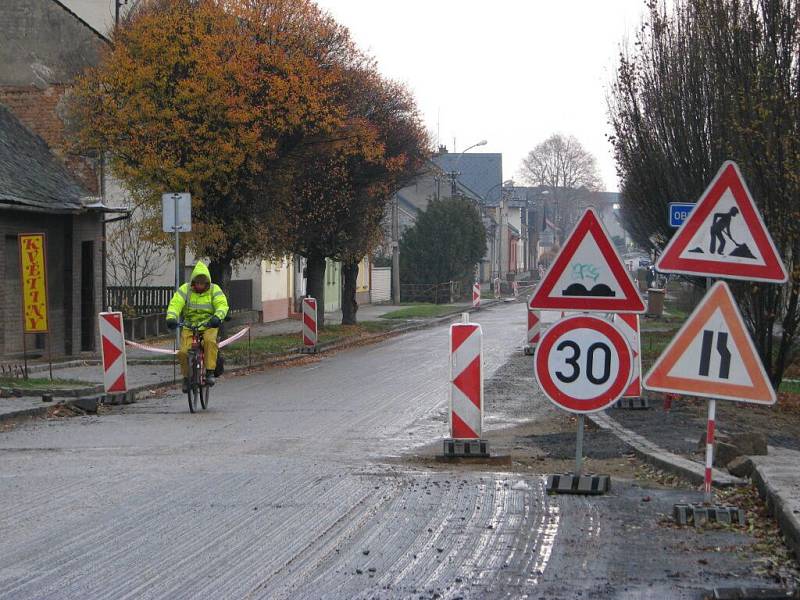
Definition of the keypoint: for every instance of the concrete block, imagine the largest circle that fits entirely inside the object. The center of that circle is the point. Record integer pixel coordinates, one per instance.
(724, 453)
(750, 443)
(466, 448)
(88, 405)
(741, 466)
(128, 397)
(632, 403)
(587, 485)
(719, 436)
(700, 514)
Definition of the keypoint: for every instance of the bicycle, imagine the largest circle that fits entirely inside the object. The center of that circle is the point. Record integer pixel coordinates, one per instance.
(198, 388)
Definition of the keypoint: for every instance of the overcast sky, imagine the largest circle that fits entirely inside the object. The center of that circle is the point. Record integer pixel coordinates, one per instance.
(511, 72)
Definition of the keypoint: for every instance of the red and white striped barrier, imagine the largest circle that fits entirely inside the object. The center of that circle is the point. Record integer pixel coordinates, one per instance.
(229, 340)
(466, 381)
(476, 295)
(112, 347)
(534, 327)
(310, 323)
(629, 326)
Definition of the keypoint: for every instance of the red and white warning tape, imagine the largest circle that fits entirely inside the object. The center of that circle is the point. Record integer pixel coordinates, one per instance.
(237, 336)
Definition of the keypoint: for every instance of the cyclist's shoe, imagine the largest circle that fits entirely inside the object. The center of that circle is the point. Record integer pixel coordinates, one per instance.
(185, 385)
(210, 379)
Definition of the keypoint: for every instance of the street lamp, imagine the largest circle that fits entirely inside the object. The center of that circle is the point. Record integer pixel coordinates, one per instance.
(454, 173)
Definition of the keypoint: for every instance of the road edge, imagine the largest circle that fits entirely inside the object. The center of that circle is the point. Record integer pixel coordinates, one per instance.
(655, 455)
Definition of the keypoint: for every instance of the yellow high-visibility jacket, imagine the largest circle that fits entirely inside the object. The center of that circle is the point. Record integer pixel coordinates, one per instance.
(197, 309)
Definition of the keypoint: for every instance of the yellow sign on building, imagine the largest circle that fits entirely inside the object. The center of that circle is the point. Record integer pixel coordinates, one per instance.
(33, 276)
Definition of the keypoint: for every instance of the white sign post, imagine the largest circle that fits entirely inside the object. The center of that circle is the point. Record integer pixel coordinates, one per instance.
(176, 216)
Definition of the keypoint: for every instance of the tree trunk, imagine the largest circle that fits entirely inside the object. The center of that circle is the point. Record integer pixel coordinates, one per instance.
(221, 273)
(350, 283)
(315, 285)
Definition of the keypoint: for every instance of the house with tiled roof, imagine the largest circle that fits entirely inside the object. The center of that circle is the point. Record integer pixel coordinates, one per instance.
(44, 188)
(38, 194)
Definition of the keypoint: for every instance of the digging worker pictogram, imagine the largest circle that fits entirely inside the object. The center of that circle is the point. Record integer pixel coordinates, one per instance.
(722, 224)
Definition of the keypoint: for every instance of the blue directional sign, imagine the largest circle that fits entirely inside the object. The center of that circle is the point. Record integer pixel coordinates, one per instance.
(678, 211)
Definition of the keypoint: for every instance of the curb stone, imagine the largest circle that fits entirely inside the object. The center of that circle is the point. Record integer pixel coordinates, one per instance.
(785, 507)
(657, 456)
(274, 360)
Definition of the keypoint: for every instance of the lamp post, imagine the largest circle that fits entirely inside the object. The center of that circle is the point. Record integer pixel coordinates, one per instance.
(454, 173)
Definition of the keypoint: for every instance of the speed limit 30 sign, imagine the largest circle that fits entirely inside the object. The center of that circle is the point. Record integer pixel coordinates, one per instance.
(583, 364)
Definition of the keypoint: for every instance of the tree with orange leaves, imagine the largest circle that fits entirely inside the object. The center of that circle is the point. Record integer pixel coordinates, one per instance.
(342, 188)
(211, 97)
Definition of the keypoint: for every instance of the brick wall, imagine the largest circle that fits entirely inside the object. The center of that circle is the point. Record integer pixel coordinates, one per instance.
(43, 112)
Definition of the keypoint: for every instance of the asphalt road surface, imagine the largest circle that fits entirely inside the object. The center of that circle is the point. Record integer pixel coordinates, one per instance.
(295, 484)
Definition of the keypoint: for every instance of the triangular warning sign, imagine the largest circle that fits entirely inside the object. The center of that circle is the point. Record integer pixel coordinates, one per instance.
(724, 236)
(712, 356)
(587, 274)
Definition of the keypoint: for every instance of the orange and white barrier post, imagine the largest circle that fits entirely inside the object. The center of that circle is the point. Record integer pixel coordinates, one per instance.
(310, 324)
(466, 381)
(476, 295)
(629, 325)
(112, 345)
(534, 331)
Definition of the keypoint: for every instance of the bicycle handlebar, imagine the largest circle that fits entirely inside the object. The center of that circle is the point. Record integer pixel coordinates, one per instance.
(191, 327)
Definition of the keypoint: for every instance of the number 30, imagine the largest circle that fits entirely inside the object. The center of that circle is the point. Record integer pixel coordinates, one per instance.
(572, 361)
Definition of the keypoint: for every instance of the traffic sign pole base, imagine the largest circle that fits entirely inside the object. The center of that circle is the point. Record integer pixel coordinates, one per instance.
(701, 514)
(586, 485)
(464, 448)
(529, 350)
(633, 403)
(308, 350)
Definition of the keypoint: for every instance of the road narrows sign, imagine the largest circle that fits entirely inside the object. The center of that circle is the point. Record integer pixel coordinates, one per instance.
(629, 326)
(713, 356)
(587, 274)
(724, 236)
(583, 364)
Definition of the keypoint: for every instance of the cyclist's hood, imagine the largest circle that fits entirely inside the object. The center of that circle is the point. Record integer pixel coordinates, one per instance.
(200, 269)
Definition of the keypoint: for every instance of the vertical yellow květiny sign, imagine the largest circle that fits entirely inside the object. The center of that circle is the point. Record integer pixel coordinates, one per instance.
(33, 276)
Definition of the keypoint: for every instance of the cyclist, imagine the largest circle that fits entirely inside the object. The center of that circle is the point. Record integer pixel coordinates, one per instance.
(199, 303)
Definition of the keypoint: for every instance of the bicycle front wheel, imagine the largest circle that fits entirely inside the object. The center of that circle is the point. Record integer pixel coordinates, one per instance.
(194, 383)
(205, 396)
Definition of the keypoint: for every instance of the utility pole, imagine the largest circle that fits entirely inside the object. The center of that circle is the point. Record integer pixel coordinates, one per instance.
(117, 5)
(395, 252)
